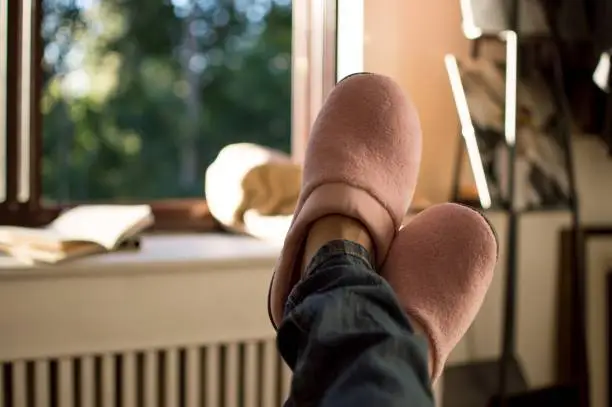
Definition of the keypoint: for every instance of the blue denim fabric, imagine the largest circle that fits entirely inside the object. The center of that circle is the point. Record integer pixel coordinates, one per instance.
(347, 339)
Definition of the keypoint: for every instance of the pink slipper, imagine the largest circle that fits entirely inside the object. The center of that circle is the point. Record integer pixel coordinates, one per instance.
(440, 266)
(362, 161)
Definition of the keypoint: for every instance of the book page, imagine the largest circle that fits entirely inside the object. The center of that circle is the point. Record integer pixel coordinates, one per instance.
(10, 235)
(105, 225)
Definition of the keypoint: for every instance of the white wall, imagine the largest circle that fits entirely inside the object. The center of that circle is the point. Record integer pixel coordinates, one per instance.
(536, 298)
(407, 40)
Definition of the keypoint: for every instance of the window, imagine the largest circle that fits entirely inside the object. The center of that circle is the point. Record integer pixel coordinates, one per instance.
(130, 100)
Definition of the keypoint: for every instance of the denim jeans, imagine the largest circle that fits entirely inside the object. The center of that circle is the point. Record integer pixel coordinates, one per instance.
(347, 339)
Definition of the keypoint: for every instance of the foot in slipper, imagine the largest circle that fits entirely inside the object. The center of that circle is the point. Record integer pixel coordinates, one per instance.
(440, 266)
(361, 162)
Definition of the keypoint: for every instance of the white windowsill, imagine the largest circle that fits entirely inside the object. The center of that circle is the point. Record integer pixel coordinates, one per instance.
(165, 252)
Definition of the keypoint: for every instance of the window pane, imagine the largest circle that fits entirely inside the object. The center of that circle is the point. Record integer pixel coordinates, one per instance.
(140, 95)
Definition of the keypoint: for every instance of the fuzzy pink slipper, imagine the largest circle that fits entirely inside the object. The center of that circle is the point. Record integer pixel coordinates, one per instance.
(362, 161)
(440, 266)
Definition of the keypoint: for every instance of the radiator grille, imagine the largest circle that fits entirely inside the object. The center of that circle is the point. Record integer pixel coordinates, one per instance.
(246, 374)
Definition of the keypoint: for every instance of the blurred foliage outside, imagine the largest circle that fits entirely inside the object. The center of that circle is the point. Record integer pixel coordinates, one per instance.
(139, 96)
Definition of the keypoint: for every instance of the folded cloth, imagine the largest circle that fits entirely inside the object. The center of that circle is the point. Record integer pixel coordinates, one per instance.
(248, 178)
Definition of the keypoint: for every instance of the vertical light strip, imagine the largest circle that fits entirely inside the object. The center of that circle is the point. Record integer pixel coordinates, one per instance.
(350, 34)
(313, 65)
(511, 85)
(470, 30)
(458, 93)
(3, 85)
(23, 188)
(2, 397)
(316, 52)
(300, 85)
(467, 130)
(330, 42)
(602, 72)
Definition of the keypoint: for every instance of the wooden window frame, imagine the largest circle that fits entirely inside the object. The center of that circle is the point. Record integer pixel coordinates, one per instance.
(313, 76)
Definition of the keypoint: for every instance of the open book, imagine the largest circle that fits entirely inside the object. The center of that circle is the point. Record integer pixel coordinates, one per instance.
(82, 231)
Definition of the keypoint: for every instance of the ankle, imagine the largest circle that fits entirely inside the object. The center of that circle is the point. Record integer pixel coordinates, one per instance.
(334, 227)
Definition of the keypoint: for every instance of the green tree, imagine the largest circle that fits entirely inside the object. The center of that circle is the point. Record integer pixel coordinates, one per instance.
(140, 95)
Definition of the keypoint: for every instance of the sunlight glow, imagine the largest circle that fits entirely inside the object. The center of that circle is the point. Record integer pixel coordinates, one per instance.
(85, 4)
(76, 84)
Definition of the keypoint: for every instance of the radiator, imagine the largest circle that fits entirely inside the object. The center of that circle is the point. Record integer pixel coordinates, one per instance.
(244, 374)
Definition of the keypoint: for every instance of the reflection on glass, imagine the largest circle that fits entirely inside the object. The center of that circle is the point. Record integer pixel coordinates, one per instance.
(140, 95)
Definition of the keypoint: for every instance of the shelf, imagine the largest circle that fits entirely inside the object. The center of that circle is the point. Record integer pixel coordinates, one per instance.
(542, 178)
